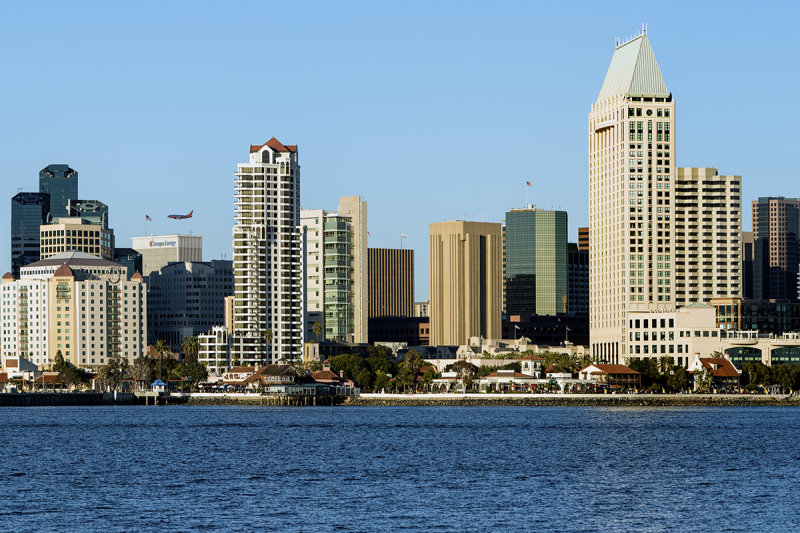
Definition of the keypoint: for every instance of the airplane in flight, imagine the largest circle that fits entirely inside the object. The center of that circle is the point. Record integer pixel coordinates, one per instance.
(181, 217)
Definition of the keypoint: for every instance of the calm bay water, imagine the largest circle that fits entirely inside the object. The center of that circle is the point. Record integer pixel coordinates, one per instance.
(406, 468)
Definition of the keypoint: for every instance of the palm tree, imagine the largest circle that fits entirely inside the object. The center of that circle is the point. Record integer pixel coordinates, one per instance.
(317, 329)
(268, 335)
(190, 346)
(665, 362)
(161, 348)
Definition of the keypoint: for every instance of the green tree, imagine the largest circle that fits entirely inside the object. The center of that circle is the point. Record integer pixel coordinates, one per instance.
(143, 371)
(364, 379)
(465, 372)
(381, 382)
(665, 363)
(703, 380)
(316, 327)
(59, 365)
(679, 379)
(351, 364)
(191, 372)
(161, 348)
(110, 375)
(428, 377)
(190, 347)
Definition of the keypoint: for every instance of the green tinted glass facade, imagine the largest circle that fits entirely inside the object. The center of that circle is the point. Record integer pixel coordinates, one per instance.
(536, 262)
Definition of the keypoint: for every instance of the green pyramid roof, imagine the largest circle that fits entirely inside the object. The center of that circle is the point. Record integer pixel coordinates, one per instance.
(634, 71)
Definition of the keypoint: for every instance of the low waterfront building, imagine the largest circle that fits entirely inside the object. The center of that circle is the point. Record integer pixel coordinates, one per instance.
(721, 369)
(611, 375)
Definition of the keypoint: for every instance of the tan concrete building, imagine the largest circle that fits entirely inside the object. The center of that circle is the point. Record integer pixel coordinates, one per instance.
(465, 281)
(160, 250)
(76, 303)
(708, 233)
(391, 282)
(75, 234)
(631, 206)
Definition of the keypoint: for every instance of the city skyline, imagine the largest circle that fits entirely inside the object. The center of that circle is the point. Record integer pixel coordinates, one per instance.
(156, 128)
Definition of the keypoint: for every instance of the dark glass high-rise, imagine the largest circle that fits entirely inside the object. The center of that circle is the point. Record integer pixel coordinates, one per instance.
(28, 211)
(61, 183)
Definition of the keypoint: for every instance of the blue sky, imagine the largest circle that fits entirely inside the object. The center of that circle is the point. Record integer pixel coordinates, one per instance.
(431, 111)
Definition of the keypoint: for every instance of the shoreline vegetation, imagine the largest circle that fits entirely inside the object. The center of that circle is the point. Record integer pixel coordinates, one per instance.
(411, 400)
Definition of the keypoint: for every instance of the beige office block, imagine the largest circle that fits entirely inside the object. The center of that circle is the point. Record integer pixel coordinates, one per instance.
(465, 281)
(708, 233)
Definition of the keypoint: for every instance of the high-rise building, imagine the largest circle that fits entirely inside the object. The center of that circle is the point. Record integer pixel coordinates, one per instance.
(28, 212)
(465, 281)
(94, 211)
(269, 291)
(160, 250)
(776, 247)
(583, 239)
(536, 262)
(747, 264)
(631, 208)
(187, 299)
(356, 209)
(707, 229)
(391, 282)
(75, 234)
(78, 304)
(61, 183)
(577, 280)
(336, 270)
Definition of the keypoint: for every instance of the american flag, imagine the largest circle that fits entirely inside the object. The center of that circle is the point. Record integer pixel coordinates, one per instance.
(403, 236)
(529, 184)
(147, 217)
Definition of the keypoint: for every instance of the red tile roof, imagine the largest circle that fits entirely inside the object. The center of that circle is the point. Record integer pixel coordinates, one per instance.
(275, 144)
(725, 368)
(531, 358)
(510, 375)
(136, 275)
(8, 275)
(64, 271)
(241, 370)
(614, 369)
(4, 377)
(324, 374)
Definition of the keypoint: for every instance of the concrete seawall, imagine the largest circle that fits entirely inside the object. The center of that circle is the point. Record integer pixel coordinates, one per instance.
(588, 400)
(40, 399)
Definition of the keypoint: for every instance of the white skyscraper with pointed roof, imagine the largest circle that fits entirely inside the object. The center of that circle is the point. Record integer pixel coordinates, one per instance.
(632, 177)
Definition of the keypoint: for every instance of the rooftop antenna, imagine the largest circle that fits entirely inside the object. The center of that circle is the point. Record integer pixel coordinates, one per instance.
(644, 28)
(616, 42)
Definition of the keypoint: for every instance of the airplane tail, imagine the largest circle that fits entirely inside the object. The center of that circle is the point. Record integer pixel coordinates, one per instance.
(191, 212)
